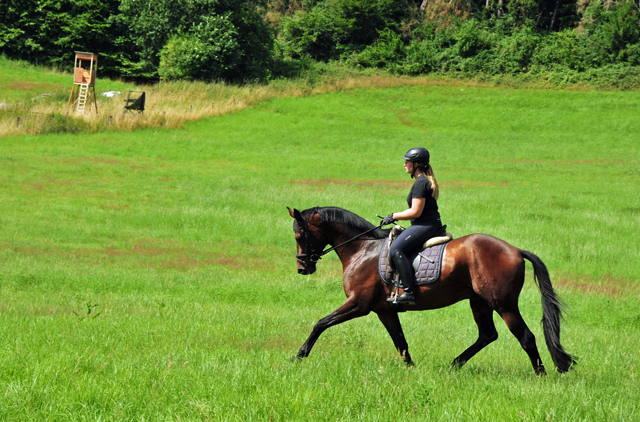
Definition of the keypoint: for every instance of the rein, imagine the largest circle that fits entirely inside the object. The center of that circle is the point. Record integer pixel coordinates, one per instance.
(315, 257)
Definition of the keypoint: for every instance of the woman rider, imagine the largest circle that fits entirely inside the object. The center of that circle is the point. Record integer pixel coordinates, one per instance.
(424, 216)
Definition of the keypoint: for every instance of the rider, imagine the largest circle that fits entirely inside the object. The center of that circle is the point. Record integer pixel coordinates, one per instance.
(424, 216)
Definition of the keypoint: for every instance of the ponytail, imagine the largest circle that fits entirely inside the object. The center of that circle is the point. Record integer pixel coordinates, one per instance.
(432, 180)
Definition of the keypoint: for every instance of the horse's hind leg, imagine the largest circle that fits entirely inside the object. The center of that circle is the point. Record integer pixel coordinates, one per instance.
(392, 323)
(483, 315)
(527, 340)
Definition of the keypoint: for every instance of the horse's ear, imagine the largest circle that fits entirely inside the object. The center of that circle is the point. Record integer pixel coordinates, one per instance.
(295, 214)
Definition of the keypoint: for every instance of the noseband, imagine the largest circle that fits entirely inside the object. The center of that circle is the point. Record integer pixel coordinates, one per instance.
(308, 258)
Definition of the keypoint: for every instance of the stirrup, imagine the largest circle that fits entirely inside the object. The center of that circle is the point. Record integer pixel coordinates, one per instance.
(410, 299)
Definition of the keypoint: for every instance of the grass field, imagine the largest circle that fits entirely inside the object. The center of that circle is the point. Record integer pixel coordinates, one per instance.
(150, 275)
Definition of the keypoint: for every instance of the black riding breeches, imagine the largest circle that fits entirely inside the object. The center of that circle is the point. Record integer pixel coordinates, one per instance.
(408, 241)
(413, 237)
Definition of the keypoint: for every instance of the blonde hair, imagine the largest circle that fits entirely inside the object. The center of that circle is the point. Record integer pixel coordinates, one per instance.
(432, 179)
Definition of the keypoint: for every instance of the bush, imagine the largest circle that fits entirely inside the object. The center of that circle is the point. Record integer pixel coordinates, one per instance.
(209, 52)
(386, 52)
(154, 28)
(329, 31)
(610, 35)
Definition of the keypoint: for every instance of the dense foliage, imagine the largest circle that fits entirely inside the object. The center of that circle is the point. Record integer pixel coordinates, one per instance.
(239, 40)
(143, 39)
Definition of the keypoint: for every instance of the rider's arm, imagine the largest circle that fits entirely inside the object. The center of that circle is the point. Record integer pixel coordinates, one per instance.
(417, 206)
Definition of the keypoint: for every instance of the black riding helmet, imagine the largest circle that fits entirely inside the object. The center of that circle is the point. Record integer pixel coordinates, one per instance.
(417, 155)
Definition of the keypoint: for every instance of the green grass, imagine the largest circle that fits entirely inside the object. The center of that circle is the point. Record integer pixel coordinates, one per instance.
(22, 82)
(150, 275)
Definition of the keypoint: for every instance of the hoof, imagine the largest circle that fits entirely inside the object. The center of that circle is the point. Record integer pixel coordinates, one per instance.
(541, 372)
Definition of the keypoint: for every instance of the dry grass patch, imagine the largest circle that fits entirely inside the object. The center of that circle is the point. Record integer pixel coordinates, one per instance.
(172, 104)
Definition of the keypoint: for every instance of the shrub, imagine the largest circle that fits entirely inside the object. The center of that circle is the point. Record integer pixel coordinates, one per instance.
(209, 52)
(331, 30)
(385, 52)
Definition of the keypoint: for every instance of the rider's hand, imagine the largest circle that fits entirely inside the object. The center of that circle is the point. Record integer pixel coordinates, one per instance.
(388, 220)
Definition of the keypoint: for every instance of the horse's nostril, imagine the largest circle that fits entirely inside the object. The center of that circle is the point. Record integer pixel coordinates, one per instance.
(300, 271)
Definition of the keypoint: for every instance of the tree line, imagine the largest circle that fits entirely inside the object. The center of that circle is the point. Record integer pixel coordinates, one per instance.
(240, 40)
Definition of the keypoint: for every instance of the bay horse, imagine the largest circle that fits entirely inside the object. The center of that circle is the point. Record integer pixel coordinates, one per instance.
(487, 271)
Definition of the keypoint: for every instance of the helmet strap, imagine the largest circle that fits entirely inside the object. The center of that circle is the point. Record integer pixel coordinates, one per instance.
(416, 166)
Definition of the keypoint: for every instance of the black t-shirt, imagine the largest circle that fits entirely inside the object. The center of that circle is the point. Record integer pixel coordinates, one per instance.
(422, 189)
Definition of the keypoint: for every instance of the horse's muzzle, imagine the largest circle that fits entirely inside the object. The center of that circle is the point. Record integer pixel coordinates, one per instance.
(307, 271)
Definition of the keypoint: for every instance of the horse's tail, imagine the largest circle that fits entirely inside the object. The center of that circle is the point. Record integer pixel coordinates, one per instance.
(552, 308)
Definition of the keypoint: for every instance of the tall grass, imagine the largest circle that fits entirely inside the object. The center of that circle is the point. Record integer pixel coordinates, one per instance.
(27, 109)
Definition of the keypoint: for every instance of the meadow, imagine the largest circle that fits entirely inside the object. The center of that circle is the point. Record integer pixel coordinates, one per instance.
(150, 275)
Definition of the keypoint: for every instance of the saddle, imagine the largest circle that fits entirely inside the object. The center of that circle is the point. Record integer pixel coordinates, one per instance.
(427, 262)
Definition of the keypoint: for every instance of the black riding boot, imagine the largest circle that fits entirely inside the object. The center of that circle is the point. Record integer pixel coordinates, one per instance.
(407, 277)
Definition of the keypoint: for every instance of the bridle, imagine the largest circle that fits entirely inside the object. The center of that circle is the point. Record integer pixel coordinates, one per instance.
(312, 257)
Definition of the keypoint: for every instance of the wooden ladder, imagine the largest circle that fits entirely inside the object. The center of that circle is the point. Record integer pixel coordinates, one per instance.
(82, 97)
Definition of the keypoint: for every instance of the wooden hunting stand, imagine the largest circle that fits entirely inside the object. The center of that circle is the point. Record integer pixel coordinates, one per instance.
(85, 80)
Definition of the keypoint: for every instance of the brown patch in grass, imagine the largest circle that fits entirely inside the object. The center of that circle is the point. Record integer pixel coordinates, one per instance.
(33, 86)
(228, 262)
(586, 288)
(457, 184)
(570, 162)
(187, 262)
(64, 182)
(320, 184)
(608, 285)
(597, 162)
(102, 160)
(115, 207)
(161, 254)
(405, 120)
(35, 185)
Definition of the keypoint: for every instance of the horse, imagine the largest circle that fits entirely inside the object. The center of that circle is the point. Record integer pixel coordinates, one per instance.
(487, 271)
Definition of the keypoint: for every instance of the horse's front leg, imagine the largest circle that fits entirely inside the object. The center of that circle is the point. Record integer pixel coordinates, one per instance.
(391, 322)
(349, 310)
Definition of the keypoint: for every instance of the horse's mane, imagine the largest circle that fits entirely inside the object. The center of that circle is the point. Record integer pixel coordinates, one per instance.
(342, 216)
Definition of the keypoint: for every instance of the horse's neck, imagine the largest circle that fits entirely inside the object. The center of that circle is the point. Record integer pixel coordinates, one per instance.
(337, 234)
